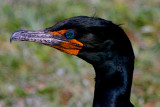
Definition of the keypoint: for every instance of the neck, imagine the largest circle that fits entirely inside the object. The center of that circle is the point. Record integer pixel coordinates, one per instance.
(113, 83)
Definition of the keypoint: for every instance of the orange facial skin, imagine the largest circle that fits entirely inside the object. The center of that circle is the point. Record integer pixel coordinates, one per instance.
(61, 32)
(71, 46)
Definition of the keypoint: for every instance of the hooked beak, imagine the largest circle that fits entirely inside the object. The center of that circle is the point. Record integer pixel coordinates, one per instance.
(40, 36)
(71, 46)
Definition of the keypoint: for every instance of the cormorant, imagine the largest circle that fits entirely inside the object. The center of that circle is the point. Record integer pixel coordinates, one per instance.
(99, 42)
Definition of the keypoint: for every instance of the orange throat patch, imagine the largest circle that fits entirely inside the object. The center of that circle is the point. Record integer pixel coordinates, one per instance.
(71, 47)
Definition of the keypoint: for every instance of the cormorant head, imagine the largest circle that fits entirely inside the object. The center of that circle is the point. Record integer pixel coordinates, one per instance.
(90, 38)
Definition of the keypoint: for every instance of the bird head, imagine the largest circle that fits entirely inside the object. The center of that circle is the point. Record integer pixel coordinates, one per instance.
(90, 38)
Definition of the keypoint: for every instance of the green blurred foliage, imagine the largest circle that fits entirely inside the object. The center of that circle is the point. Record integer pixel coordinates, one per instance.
(33, 75)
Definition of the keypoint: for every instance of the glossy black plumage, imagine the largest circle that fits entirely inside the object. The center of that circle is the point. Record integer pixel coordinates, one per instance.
(108, 49)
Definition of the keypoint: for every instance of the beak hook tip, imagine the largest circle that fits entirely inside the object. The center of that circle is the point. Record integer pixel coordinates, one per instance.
(11, 40)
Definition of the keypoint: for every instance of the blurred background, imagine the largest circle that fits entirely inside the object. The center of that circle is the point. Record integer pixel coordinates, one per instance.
(34, 75)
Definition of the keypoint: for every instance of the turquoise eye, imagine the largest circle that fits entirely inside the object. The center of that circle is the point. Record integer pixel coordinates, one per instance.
(69, 34)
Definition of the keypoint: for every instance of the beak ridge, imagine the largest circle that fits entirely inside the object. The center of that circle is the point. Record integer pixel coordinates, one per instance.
(40, 36)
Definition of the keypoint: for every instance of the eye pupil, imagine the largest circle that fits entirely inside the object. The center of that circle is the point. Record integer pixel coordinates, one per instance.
(69, 34)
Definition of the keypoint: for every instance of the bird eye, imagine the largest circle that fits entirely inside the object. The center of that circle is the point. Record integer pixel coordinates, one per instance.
(69, 34)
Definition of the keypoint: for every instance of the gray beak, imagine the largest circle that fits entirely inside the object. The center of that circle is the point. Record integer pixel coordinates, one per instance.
(40, 36)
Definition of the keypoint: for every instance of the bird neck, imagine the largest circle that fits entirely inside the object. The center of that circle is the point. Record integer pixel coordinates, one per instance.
(113, 83)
